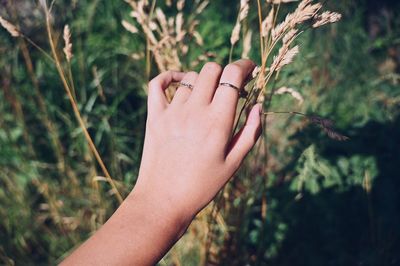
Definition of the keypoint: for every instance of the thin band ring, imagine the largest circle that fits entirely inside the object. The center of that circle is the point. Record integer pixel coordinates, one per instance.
(230, 85)
(187, 85)
(242, 93)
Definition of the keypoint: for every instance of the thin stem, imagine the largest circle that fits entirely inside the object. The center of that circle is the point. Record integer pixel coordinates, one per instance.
(231, 53)
(76, 109)
(288, 112)
(37, 47)
(242, 109)
(260, 18)
(71, 80)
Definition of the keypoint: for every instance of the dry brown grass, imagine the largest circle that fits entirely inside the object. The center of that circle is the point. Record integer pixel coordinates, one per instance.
(168, 41)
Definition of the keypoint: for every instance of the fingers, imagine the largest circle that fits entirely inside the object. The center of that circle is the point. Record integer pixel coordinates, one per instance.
(206, 84)
(183, 92)
(226, 98)
(156, 100)
(245, 139)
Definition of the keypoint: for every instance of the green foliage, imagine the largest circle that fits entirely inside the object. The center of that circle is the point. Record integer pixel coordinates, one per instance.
(314, 201)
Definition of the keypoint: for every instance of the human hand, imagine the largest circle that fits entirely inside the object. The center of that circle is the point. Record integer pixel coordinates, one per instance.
(188, 152)
(188, 156)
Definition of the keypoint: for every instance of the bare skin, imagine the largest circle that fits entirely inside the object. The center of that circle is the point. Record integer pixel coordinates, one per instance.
(188, 157)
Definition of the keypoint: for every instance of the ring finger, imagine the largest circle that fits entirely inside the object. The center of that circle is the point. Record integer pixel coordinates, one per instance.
(185, 88)
(227, 94)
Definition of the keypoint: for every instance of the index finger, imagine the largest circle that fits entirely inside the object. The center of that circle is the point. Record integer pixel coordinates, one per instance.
(156, 99)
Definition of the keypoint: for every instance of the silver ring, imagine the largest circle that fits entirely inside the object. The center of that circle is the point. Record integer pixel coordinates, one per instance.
(242, 93)
(230, 85)
(187, 85)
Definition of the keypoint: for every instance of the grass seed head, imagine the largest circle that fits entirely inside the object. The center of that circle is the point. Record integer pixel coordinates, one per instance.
(267, 23)
(68, 45)
(180, 4)
(129, 27)
(235, 34)
(244, 9)
(326, 18)
(292, 92)
(284, 57)
(9, 27)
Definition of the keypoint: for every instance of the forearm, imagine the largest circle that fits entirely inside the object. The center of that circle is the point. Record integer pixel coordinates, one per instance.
(140, 232)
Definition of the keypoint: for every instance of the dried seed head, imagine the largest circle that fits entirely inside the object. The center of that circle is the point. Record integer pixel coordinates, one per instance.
(198, 38)
(166, 34)
(285, 57)
(255, 72)
(243, 4)
(326, 18)
(327, 126)
(288, 57)
(244, 9)
(68, 45)
(129, 27)
(267, 23)
(180, 4)
(304, 12)
(260, 80)
(178, 27)
(9, 27)
(162, 20)
(153, 26)
(201, 7)
(137, 56)
(235, 34)
(295, 94)
(289, 36)
(282, 27)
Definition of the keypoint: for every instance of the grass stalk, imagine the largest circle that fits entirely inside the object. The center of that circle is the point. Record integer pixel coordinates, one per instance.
(76, 109)
(45, 117)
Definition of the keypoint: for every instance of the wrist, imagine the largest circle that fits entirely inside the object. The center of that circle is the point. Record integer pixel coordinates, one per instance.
(160, 210)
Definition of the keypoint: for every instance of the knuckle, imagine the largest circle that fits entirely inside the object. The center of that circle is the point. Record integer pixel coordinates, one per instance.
(234, 69)
(153, 83)
(213, 66)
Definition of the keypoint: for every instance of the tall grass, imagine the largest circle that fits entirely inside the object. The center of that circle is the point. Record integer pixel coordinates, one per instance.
(60, 146)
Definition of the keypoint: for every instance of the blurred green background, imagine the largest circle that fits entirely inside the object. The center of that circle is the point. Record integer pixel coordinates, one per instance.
(312, 201)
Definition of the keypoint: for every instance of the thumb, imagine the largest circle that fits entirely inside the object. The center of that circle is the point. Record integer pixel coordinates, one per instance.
(245, 139)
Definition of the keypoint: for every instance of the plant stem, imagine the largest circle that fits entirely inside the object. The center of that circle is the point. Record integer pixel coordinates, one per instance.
(289, 113)
(231, 53)
(260, 19)
(76, 109)
(37, 47)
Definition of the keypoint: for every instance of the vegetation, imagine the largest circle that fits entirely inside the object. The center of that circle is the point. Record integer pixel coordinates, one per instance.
(73, 113)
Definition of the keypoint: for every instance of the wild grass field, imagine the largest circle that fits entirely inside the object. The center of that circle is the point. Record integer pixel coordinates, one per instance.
(73, 77)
